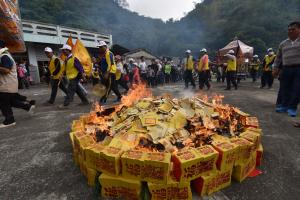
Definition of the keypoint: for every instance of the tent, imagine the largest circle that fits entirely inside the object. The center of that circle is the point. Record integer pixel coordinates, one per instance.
(242, 51)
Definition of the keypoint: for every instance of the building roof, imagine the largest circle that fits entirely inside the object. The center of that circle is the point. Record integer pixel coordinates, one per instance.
(147, 54)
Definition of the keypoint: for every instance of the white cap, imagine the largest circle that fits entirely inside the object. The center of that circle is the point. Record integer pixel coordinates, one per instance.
(131, 60)
(135, 64)
(255, 56)
(188, 51)
(48, 49)
(67, 47)
(231, 52)
(270, 50)
(203, 50)
(101, 44)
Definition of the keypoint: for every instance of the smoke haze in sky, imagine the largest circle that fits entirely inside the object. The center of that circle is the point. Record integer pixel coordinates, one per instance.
(164, 9)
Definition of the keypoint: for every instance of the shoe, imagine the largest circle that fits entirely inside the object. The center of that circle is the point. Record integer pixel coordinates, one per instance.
(261, 87)
(297, 125)
(292, 112)
(31, 109)
(5, 125)
(62, 106)
(32, 102)
(117, 100)
(84, 103)
(48, 103)
(281, 109)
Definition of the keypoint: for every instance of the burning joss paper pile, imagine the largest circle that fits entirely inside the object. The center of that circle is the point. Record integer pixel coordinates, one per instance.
(162, 148)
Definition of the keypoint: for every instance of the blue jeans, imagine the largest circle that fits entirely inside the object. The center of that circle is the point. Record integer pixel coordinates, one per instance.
(290, 87)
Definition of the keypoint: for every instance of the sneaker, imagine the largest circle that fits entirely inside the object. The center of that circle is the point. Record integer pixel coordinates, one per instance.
(31, 109)
(5, 125)
(292, 112)
(281, 109)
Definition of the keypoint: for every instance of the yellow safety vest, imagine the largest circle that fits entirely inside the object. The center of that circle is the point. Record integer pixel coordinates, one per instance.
(189, 65)
(255, 65)
(111, 65)
(203, 66)
(52, 67)
(268, 60)
(71, 70)
(231, 65)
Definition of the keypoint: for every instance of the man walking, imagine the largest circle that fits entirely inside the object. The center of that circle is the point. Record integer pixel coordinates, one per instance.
(231, 70)
(56, 70)
(188, 65)
(108, 72)
(288, 56)
(254, 67)
(9, 96)
(267, 77)
(74, 72)
(203, 70)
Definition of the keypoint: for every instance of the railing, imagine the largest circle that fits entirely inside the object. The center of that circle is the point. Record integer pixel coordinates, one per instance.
(60, 33)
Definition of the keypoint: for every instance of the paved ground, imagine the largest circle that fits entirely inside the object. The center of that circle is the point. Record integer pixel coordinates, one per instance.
(36, 159)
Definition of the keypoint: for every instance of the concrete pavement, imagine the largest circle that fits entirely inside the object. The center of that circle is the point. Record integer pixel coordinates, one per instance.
(36, 155)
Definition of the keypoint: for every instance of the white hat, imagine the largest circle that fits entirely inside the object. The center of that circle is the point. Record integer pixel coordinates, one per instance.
(101, 44)
(188, 51)
(48, 49)
(135, 64)
(255, 56)
(203, 50)
(67, 47)
(131, 60)
(231, 52)
(270, 50)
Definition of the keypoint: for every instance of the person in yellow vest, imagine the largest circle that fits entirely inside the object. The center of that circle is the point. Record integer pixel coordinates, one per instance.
(231, 70)
(267, 77)
(95, 71)
(56, 70)
(254, 67)
(203, 70)
(74, 72)
(108, 70)
(188, 66)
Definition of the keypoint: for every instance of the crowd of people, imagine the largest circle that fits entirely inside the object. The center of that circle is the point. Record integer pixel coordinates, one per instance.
(114, 72)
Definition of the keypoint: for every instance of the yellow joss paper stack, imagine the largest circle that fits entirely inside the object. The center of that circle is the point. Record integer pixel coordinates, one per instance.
(171, 190)
(132, 164)
(156, 167)
(113, 187)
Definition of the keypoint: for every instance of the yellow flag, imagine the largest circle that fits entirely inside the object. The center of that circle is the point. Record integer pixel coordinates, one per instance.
(80, 52)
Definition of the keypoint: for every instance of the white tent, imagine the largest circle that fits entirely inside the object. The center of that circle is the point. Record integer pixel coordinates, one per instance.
(240, 49)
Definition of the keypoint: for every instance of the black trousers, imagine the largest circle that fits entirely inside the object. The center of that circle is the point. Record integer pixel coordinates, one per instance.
(290, 87)
(167, 78)
(267, 78)
(73, 88)
(10, 100)
(55, 84)
(204, 79)
(123, 83)
(111, 85)
(253, 75)
(231, 79)
(188, 77)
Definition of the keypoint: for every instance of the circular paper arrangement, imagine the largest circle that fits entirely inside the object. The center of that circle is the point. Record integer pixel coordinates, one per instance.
(160, 148)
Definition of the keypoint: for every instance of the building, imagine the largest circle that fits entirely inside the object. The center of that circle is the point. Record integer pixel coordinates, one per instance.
(39, 35)
(137, 53)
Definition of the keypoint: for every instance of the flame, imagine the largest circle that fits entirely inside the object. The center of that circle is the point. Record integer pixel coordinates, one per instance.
(136, 93)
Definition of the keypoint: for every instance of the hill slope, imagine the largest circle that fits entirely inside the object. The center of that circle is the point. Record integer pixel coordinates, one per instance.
(212, 24)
